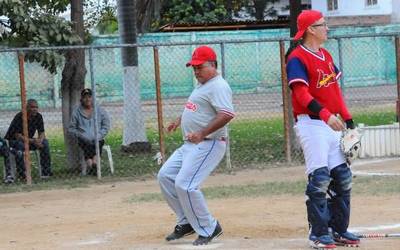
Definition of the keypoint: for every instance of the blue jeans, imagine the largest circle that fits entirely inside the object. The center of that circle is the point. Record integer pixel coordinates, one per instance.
(45, 160)
(5, 152)
(334, 212)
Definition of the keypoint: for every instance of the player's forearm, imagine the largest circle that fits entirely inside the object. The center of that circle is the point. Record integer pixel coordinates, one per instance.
(344, 112)
(305, 99)
(42, 136)
(301, 94)
(19, 136)
(220, 120)
(177, 122)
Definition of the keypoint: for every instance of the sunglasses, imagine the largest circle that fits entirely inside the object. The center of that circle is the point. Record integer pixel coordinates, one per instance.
(321, 24)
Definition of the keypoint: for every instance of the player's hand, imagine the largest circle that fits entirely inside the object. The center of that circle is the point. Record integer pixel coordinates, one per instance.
(335, 123)
(195, 137)
(172, 127)
(37, 142)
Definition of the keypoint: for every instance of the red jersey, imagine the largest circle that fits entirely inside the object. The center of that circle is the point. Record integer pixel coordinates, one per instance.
(319, 73)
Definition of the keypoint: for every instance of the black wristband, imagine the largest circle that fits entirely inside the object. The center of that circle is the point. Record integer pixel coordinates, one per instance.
(314, 106)
(350, 124)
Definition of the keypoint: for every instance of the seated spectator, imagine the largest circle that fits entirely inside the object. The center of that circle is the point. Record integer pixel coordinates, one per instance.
(16, 139)
(82, 128)
(5, 152)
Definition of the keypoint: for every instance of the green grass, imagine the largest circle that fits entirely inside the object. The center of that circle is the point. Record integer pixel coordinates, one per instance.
(373, 119)
(258, 142)
(377, 185)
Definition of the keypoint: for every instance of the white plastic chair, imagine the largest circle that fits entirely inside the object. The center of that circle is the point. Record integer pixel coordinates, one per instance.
(107, 148)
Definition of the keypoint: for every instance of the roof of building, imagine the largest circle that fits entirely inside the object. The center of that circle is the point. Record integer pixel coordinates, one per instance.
(281, 22)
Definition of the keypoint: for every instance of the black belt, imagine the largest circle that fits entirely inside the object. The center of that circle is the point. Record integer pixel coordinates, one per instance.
(315, 117)
(218, 139)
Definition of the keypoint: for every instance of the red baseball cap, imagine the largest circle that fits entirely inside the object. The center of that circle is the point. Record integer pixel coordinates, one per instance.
(305, 20)
(201, 55)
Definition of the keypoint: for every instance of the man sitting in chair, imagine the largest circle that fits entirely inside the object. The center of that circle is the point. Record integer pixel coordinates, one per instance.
(16, 139)
(82, 128)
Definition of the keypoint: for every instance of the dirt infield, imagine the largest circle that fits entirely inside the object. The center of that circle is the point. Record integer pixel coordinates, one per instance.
(100, 217)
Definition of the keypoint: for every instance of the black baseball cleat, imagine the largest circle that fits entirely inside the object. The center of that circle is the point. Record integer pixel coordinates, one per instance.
(201, 240)
(180, 231)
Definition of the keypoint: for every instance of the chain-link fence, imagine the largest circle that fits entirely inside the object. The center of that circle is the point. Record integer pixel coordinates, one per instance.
(128, 110)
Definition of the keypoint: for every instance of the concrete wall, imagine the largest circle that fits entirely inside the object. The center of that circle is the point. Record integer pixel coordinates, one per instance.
(356, 12)
(355, 8)
(358, 20)
(396, 11)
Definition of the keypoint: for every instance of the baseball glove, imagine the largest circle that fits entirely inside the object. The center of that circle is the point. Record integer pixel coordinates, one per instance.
(351, 144)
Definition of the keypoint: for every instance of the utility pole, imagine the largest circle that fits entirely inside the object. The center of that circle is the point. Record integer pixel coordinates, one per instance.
(295, 9)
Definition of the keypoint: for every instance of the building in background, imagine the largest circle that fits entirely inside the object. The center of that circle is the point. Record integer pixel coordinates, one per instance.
(278, 9)
(282, 7)
(359, 12)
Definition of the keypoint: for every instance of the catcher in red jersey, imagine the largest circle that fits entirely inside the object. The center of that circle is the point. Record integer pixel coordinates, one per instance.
(321, 115)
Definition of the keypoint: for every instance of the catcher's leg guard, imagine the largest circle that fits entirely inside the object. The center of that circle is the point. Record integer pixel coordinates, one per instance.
(339, 205)
(317, 208)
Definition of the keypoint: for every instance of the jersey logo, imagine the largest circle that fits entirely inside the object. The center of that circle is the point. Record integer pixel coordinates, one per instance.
(191, 106)
(324, 80)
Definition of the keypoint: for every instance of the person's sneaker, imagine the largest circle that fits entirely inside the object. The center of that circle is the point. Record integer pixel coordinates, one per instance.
(9, 180)
(201, 240)
(321, 242)
(46, 175)
(180, 231)
(346, 239)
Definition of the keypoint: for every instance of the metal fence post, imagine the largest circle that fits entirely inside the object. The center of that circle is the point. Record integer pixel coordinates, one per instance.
(159, 102)
(397, 46)
(228, 145)
(341, 67)
(96, 128)
(285, 99)
(24, 118)
(223, 60)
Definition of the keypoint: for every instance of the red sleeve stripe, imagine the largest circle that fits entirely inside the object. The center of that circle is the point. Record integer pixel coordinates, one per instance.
(338, 75)
(298, 80)
(226, 112)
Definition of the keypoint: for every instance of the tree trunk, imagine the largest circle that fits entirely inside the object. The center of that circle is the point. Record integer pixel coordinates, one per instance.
(148, 11)
(72, 82)
(259, 6)
(134, 135)
(229, 8)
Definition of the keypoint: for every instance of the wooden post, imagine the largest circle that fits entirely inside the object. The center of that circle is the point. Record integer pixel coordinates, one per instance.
(159, 102)
(24, 119)
(286, 103)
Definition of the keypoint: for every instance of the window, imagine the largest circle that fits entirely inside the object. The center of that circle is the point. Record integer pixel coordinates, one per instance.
(332, 5)
(371, 2)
